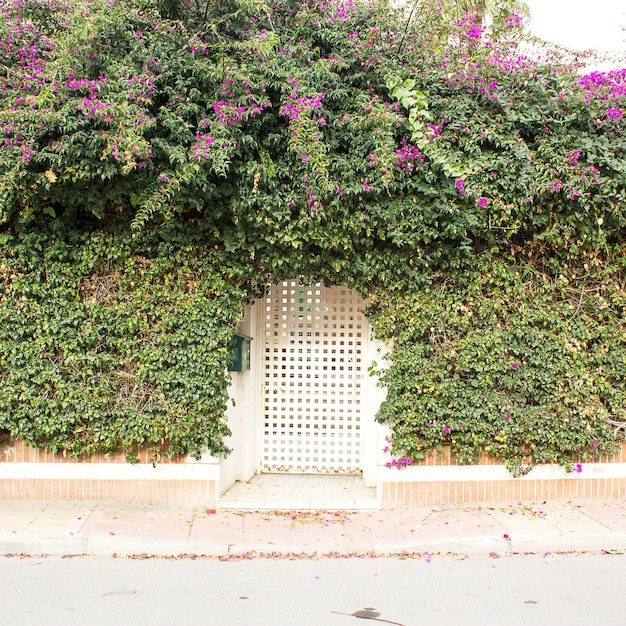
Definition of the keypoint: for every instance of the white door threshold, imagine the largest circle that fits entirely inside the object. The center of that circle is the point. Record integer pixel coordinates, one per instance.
(300, 492)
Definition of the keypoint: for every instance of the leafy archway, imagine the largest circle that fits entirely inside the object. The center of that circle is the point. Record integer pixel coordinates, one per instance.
(157, 169)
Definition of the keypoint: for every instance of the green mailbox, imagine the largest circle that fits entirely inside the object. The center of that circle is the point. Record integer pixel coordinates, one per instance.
(240, 359)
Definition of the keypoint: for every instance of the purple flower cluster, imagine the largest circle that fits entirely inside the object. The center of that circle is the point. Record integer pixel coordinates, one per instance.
(573, 157)
(200, 150)
(515, 20)
(313, 203)
(297, 105)
(555, 185)
(372, 159)
(230, 113)
(399, 463)
(79, 84)
(436, 130)
(406, 157)
(93, 109)
(475, 32)
(607, 86)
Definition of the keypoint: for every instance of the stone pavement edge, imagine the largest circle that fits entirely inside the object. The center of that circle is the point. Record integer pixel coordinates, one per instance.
(108, 528)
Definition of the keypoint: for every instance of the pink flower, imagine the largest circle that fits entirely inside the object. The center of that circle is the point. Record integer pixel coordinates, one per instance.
(573, 157)
(614, 114)
(372, 159)
(475, 33)
(482, 202)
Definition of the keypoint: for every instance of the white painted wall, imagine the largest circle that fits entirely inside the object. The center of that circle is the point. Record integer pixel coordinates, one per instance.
(374, 434)
(244, 410)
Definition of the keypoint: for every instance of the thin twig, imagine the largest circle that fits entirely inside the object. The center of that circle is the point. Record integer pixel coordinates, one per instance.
(364, 615)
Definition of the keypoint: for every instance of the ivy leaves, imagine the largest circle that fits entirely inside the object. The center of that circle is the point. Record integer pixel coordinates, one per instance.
(112, 342)
(157, 165)
(507, 361)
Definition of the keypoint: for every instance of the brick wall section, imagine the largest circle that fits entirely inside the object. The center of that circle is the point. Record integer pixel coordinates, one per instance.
(20, 452)
(185, 492)
(200, 493)
(397, 495)
(431, 493)
(444, 457)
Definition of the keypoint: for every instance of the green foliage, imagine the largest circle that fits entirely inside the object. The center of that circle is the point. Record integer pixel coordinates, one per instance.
(160, 160)
(109, 341)
(519, 358)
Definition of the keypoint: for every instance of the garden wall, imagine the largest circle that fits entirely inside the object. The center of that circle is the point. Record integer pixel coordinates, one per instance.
(28, 473)
(31, 474)
(437, 480)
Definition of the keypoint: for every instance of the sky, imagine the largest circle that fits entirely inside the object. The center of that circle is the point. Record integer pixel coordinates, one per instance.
(580, 24)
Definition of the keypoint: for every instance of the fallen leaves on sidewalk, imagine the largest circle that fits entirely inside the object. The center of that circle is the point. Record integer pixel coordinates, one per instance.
(306, 517)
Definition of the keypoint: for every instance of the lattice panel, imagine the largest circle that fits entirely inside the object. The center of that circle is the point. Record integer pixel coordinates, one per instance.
(312, 379)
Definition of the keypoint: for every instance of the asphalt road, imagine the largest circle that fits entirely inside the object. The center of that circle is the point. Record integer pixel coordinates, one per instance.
(554, 589)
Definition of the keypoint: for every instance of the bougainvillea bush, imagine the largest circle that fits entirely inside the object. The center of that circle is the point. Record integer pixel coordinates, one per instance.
(161, 161)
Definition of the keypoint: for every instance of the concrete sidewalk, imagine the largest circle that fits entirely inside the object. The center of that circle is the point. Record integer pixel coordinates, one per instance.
(104, 528)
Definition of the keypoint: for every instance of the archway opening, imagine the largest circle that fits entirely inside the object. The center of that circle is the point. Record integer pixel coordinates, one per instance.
(304, 429)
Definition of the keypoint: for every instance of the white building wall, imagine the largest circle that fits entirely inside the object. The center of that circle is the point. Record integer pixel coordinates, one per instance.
(243, 411)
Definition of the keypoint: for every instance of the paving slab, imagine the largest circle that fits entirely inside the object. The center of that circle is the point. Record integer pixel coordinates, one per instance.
(107, 528)
(377, 531)
(65, 517)
(457, 529)
(611, 514)
(295, 531)
(115, 520)
(15, 516)
(310, 492)
(524, 521)
(570, 520)
(166, 524)
(216, 531)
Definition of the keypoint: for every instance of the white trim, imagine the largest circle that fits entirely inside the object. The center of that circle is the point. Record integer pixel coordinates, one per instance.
(109, 471)
(373, 396)
(430, 473)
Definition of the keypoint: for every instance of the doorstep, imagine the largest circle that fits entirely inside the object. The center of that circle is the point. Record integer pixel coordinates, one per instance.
(302, 492)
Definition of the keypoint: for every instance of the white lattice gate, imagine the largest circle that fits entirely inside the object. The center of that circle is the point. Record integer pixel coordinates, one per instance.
(312, 379)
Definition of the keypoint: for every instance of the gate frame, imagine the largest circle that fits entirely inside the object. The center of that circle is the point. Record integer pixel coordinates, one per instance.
(245, 415)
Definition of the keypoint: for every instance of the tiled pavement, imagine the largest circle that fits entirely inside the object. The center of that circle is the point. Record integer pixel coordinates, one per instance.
(102, 528)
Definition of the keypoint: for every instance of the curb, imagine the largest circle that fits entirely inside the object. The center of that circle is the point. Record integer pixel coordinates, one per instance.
(86, 545)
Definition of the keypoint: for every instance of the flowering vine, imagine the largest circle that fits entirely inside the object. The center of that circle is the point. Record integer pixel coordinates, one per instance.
(337, 140)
